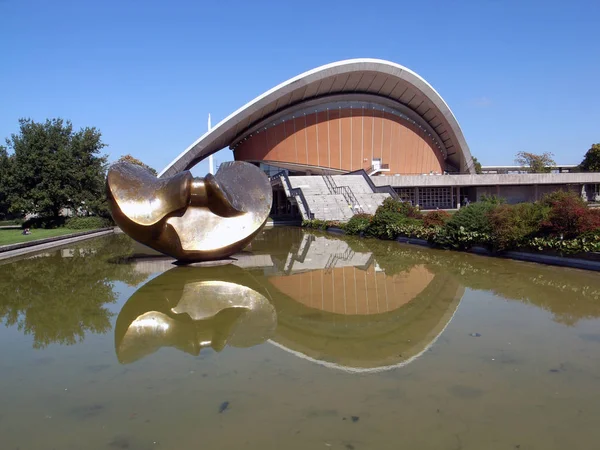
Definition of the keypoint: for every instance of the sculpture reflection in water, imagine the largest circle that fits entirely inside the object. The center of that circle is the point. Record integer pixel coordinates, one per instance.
(190, 219)
(192, 308)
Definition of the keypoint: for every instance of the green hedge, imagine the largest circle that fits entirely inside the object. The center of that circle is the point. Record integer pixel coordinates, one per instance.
(10, 222)
(87, 223)
(560, 223)
(44, 222)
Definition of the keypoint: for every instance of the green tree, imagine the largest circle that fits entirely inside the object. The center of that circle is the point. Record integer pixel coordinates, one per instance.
(536, 163)
(477, 166)
(131, 159)
(55, 167)
(5, 184)
(591, 160)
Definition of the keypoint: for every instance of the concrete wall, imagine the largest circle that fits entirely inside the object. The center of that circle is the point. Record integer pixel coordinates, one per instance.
(488, 180)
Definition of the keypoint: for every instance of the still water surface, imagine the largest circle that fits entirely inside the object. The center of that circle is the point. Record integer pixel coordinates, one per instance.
(308, 341)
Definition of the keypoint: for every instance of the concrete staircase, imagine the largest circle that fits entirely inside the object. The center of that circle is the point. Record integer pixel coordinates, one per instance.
(337, 197)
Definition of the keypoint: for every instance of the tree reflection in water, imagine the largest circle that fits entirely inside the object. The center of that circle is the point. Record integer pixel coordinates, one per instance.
(570, 295)
(59, 296)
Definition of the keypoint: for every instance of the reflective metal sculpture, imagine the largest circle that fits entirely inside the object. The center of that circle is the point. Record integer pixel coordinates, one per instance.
(190, 219)
(191, 308)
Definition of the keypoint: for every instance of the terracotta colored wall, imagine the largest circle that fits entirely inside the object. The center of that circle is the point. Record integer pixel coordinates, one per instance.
(347, 140)
(348, 290)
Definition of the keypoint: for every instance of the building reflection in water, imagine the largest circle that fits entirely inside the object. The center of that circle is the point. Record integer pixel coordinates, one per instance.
(338, 308)
(327, 303)
(191, 308)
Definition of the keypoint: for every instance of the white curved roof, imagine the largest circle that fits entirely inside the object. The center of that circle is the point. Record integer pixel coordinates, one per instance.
(356, 76)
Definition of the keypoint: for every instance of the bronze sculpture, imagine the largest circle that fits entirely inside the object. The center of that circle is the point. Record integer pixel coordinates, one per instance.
(191, 308)
(190, 219)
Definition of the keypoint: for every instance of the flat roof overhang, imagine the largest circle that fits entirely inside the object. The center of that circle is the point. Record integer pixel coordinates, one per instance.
(486, 179)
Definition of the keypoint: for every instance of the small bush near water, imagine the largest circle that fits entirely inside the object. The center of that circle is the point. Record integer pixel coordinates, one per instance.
(436, 219)
(358, 224)
(87, 223)
(561, 223)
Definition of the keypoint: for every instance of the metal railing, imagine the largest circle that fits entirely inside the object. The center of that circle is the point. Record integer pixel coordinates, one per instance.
(335, 257)
(380, 167)
(345, 191)
(376, 189)
(295, 193)
(329, 183)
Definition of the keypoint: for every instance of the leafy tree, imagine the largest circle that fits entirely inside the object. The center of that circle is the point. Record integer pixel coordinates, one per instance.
(477, 166)
(536, 163)
(131, 159)
(55, 167)
(5, 184)
(591, 160)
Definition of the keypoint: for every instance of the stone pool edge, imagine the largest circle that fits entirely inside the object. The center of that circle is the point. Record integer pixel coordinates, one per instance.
(24, 248)
(551, 260)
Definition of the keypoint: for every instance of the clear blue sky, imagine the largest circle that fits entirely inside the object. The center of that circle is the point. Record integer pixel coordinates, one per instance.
(518, 74)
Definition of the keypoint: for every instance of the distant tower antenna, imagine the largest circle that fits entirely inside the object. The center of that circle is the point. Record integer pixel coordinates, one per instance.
(211, 163)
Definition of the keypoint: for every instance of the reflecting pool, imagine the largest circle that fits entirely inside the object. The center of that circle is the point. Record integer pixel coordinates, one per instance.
(307, 340)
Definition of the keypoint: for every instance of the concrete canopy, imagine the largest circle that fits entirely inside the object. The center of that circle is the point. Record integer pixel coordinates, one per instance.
(382, 78)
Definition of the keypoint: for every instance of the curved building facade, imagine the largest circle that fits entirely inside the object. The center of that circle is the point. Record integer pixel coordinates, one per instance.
(350, 115)
(345, 135)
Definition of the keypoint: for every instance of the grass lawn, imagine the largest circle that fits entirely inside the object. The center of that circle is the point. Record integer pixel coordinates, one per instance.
(14, 236)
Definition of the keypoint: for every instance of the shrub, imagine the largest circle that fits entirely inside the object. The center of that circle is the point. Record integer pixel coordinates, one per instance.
(569, 215)
(492, 199)
(11, 222)
(513, 225)
(358, 224)
(87, 223)
(397, 206)
(44, 222)
(379, 225)
(473, 218)
(315, 224)
(436, 219)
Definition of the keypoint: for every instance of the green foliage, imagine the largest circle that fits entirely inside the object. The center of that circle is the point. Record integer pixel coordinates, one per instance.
(384, 221)
(397, 206)
(11, 222)
(87, 223)
(54, 167)
(477, 165)
(44, 222)
(436, 219)
(536, 163)
(591, 160)
(316, 224)
(5, 181)
(473, 218)
(514, 225)
(358, 224)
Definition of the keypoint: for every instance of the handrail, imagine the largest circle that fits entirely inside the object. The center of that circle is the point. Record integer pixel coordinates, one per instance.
(294, 192)
(371, 169)
(376, 189)
(335, 257)
(346, 191)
